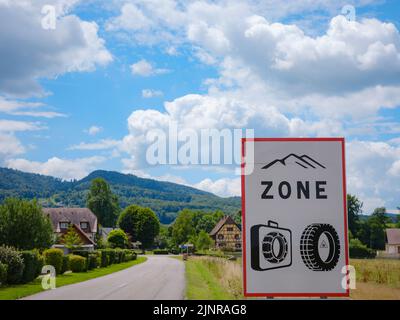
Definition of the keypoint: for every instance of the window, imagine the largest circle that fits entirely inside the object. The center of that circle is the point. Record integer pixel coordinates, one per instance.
(64, 225)
(237, 237)
(220, 237)
(238, 245)
(84, 225)
(230, 229)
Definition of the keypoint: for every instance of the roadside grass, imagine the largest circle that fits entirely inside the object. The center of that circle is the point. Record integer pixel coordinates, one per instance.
(210, 278)
(379, 271)
(24, 290)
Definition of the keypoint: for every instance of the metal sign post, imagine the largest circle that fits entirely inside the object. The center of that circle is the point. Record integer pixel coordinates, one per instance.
(294, 217)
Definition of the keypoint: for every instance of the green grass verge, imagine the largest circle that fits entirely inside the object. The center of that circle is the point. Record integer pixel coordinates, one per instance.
(24, 290)
(202, 283)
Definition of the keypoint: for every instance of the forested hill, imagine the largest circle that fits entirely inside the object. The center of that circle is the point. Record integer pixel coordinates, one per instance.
(165, 198)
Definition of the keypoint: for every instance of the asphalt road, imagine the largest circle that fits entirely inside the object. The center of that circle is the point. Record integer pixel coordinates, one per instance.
(160, 277)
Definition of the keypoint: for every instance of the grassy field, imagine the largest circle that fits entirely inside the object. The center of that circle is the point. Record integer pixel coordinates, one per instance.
(216, 278)
(20, 291)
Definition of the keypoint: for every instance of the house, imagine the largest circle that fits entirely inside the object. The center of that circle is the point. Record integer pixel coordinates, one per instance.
(227, 234)
(82, 220)
(393, 242)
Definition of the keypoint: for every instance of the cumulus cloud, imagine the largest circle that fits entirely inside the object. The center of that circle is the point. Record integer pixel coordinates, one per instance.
(146, 69)
(67, 169)
(10, 146)
(30, 52)
(224, 187)
(93, 130)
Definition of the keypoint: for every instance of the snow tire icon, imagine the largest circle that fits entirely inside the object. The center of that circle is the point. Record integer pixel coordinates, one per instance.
(320, 247)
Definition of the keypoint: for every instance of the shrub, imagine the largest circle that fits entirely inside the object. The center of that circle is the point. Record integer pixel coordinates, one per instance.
(120, 255)
(15, 264)
(93, 260)
(33, 264)
(104, 258)
(66, 264)
(160, 251)
(54, 257)
(359, 250)
(118, 239)
(129, 255)
(112, 256)
(77, 263)
(82, 253)
(3, 274)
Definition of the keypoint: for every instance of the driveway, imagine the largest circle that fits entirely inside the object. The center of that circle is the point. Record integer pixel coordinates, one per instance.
(159, 278)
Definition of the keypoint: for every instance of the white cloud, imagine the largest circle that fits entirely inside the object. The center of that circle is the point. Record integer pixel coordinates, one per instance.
(13, 126)
(93, 130)
(131, 18)
(10, 146)
(30, 52)
(22, 108)
(100, 145)
(224, 187)
(145, 69)
(150, 93)
(66, 169)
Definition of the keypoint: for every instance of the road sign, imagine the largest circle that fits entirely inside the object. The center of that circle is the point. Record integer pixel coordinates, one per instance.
(294, 217)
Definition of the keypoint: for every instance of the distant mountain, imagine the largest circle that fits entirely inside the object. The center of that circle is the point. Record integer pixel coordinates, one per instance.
(165, 198)
(303, 161)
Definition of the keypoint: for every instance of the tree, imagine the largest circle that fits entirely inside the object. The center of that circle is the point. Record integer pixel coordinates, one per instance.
(203, 241)
(118, 239)
(24, 226)
(103, 202)
(354, 208)
(183, 227)
(71, 239)
(141, 224)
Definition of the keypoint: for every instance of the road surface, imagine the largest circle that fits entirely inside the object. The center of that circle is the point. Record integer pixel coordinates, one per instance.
(160, 277)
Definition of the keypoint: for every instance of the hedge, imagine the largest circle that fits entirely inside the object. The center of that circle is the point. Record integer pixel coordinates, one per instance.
(104, 258)
(77, 263)
(359, 250)
(54, 257)
(66, 264)
(3, 274)
(160, 251)
(15, 264)
(33, 263)
(82, 253)
(93, 260)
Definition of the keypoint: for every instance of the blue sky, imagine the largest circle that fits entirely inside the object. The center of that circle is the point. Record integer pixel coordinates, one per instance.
(72, 98)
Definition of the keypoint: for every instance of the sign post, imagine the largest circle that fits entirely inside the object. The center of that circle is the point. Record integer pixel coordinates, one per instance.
(294, 217)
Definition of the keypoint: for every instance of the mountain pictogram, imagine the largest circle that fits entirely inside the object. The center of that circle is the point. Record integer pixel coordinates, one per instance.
(303, 161)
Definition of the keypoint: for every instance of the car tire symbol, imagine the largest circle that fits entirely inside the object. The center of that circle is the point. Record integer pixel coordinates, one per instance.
(309, 248)
(268, 247)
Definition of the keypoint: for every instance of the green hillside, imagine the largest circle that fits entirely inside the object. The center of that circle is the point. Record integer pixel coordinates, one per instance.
(165, 198)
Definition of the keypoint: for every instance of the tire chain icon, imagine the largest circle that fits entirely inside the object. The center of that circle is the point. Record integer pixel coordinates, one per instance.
(319, 247)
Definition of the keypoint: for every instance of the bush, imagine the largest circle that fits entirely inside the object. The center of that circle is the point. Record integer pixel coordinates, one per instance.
(3, 274)
(112, 256)
(120, 255)
(104, 258)
(66, 264)
(359, 250)
(33, 264)
(129, 255)
(118, 239)
(160, 251)
(54, 257)
(82, 253)
(15, 264)
(77, 263)
(93, 260)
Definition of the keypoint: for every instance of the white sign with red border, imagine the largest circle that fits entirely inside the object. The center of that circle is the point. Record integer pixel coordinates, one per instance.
(294, 217)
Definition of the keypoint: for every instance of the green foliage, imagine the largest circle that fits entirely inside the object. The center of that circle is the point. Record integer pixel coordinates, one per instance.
(183, 228)
(54, 257)
(203, 241)
(141, 224)
(93, 260)
(3, 274)
(66, 264)
(354, 209)
(15, 264)
(103, 202)
(24, 226)
(118, 239)
(71, 239)
(77, 263)
(160, 251)
(33, 264)
(359, 250)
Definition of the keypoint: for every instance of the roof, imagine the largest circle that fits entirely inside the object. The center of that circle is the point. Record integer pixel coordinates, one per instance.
(83, 235)
(393, 236)
(72, 215)
(221, 223)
